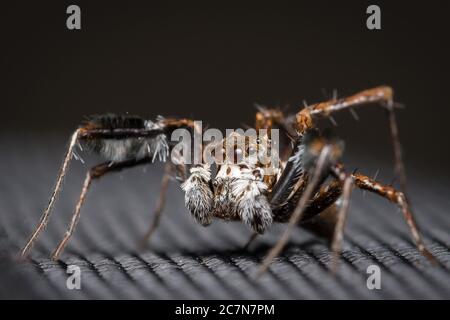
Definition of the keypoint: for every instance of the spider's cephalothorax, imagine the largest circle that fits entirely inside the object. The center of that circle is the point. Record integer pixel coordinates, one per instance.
(238, 190)
(302, 190)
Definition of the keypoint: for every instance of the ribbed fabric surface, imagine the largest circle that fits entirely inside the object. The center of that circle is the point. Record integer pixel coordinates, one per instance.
(185, 260)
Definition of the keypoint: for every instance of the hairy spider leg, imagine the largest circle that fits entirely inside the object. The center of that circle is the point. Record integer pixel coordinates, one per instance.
(319, 216)
(46, 214)
(81, 133)
(338, 235)
(397, 197)
(300, 208)
(381, 94)
(388, 192)
(343, 189)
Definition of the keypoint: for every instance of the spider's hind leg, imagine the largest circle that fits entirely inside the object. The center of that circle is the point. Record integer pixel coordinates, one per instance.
(398, 198)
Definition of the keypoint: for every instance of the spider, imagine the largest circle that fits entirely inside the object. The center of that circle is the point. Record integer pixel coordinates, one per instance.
(303, 191)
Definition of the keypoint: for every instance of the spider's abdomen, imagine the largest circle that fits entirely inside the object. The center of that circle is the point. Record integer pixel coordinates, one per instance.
(113, 121)
(118, 150)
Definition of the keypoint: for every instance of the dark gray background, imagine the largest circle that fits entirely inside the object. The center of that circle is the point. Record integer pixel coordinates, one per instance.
(213, 63)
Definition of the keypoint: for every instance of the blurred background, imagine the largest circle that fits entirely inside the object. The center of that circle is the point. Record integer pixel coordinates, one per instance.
(212, 63)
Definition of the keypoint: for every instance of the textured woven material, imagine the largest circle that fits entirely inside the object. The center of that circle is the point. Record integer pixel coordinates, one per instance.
(188, 261)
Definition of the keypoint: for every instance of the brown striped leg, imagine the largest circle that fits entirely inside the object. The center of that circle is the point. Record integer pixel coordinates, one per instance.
(95, 173)
(382, 94)
(46, 214)
(81, 134)
(397, 197)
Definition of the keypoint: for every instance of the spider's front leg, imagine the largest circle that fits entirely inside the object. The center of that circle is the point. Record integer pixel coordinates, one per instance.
(305, 118)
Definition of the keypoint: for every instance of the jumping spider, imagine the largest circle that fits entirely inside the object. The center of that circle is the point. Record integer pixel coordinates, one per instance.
(304, 191)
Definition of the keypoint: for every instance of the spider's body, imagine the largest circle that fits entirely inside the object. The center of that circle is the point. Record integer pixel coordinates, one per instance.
(303, 190)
